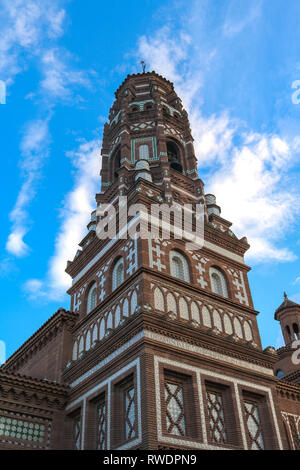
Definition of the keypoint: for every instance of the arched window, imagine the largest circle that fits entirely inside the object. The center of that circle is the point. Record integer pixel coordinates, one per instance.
(135, 109)
(92, 298)
(179, 266)
(174, 156)
(218, 282)
(118, 274)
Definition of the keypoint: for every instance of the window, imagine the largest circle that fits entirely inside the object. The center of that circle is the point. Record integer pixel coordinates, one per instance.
(254, 427)
(221, 414)
(118, 274)
(92, 298)
(77, 431)
(144, 152)
(117, 163)
(101, 423)
(129, 397)
(280, 374)
(174, 156)
(216, 417)
(124, 411)
(218, 282)
(174, 401)
(296, 330)
(179, 266)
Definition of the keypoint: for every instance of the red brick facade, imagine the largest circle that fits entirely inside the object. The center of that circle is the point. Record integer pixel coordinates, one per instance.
(161, 347)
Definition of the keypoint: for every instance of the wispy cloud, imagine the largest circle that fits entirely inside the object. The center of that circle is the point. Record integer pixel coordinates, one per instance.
(30, 30)
(34, 151)
(60, 79)
(75, 214)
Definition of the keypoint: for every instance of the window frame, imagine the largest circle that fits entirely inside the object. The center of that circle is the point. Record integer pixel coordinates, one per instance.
(118, 262)
(185, 266)
(215, 270)
(118, 427)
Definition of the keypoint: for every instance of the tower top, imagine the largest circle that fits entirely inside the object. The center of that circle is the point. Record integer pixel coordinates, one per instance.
(286, 304)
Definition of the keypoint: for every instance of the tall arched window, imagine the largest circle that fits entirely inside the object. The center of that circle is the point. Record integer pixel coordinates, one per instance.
(118, 274)
(179, 266)
(174, 156)
(218, 282)
(92, 298)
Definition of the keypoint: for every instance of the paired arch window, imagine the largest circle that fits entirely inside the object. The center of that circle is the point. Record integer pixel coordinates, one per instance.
(118, 274)
(92, 298)
(179, 266)
(218, 282)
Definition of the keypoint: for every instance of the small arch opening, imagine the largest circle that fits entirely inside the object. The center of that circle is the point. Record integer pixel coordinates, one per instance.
(296, 330)
(174, 156)
(179, 266)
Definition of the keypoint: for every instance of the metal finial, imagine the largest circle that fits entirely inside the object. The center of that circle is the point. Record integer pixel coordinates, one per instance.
(285, 295)
(143, 65)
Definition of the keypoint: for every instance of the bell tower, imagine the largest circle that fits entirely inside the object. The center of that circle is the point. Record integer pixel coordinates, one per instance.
(166, 352)
(161, 347)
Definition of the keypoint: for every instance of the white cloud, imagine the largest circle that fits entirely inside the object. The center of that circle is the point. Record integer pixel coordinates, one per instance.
(297, 280)
(34, 150)
(75, 214)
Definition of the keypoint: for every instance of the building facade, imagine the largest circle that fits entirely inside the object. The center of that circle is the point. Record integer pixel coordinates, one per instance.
(160, 348)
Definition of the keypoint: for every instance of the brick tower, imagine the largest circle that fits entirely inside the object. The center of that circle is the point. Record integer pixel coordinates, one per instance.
(161, 348)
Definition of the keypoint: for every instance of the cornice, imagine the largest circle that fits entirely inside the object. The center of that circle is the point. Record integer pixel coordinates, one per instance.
(21, 388)
(41, 337)
(287, 390)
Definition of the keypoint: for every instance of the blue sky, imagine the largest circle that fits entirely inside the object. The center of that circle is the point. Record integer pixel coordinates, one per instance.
(232, 62)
